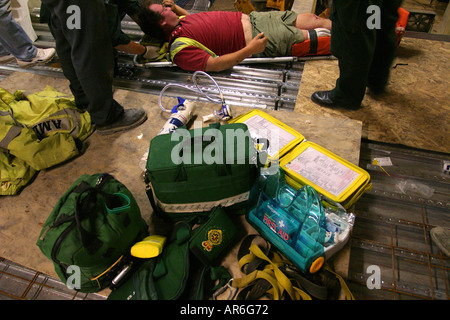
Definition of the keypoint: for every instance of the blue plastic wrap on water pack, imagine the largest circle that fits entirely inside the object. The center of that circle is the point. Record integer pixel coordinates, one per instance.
(292, 220)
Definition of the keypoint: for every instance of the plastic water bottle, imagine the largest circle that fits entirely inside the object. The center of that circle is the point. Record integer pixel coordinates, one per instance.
(179, 117)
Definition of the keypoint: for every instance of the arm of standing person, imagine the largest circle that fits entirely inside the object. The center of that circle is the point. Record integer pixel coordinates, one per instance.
(148, 52)
(131, 47)
(226, 61)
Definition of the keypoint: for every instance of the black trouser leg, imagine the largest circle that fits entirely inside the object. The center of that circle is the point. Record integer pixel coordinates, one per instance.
(63, 50)
(86, 56)
(353, 44)
(386, 45)
(364, 53)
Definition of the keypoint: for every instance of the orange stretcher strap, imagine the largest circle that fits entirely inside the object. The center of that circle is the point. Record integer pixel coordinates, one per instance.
(311, 47)
(403, 16)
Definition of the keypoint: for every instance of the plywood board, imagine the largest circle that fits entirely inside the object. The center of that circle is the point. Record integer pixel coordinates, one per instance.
(414, 112)
(22, 216)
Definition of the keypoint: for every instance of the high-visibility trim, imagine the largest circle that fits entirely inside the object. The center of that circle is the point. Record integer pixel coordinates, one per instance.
(182, 42)
(200, 206)
(13, 132)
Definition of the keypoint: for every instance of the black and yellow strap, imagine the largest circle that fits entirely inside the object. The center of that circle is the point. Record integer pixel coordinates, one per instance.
(269, 275)
(264, 275)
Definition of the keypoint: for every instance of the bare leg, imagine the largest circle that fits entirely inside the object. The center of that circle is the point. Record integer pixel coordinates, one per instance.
(308, 21)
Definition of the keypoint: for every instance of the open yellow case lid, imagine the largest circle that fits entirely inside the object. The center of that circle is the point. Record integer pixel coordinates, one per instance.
(329, 174)
(281, 137)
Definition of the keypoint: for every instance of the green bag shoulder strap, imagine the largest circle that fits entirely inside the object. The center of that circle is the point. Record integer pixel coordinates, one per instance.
(182, 42)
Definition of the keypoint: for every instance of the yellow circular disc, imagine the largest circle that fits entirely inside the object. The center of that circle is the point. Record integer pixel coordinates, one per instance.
(316, 265)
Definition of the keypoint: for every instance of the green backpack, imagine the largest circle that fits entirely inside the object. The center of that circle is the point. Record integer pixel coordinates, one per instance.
(90, 231)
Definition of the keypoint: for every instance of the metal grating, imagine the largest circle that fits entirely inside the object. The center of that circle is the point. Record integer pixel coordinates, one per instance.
(420, 21)
(20, 283)
(392, 228)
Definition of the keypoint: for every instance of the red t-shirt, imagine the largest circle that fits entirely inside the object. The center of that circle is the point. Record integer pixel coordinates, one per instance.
(219, 31)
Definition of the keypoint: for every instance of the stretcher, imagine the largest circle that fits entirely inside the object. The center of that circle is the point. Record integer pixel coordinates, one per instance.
(315, 48)
(165, 64)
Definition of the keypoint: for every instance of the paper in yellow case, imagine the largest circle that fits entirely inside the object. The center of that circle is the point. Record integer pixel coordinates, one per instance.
(306, 162)
(330, 175)
(281, 137)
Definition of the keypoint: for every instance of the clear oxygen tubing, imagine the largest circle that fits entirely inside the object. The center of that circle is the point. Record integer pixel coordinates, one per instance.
(220, 100)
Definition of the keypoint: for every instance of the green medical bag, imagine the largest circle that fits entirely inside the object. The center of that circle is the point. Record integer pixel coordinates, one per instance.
(192, 171)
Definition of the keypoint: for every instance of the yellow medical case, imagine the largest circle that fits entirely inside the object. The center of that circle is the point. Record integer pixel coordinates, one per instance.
(306, 162)
(330, 175)
(281, 137)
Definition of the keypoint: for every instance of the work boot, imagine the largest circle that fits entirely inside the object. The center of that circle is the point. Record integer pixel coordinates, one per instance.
(131, 118)
(323, 98)
(42, 56)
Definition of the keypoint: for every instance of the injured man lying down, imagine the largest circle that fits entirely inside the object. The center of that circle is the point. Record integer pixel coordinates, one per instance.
(219, 40)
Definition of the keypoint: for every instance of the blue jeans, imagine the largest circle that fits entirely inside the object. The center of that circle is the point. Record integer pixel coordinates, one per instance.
(13, 39)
